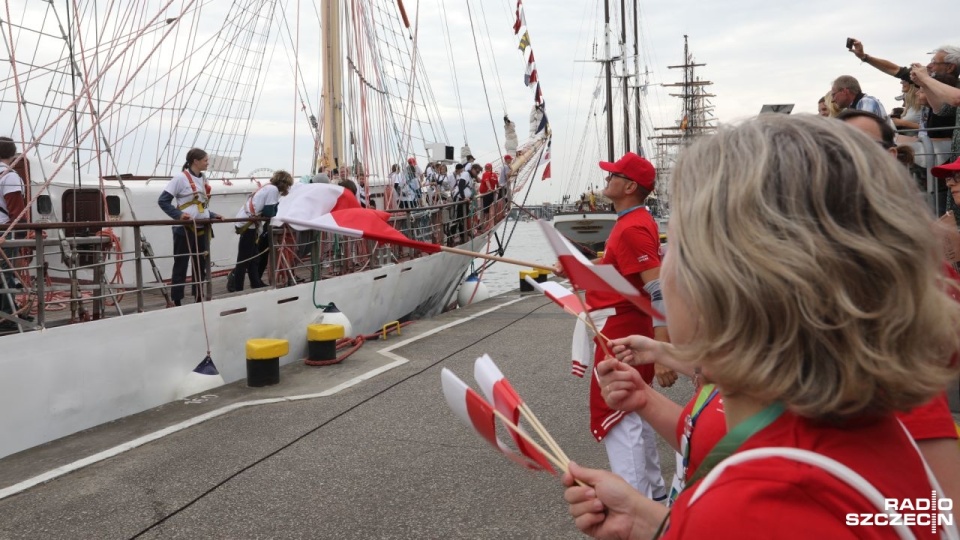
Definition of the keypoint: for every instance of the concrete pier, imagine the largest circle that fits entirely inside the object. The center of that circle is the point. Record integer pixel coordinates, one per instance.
(363, 449)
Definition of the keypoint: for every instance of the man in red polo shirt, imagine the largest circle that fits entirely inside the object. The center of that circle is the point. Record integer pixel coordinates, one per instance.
(633, 248)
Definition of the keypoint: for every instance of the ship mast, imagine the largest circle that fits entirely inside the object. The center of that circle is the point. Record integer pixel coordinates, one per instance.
(332, 136)
(625, 78)
(636, 72)
(609, 81)
(696, 119)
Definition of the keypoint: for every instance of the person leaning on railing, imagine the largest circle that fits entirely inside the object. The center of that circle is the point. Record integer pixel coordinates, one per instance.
(12, 203)
(940, 95)
(944, 66)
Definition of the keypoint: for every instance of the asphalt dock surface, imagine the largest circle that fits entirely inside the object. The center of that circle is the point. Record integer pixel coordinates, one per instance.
(379, 457)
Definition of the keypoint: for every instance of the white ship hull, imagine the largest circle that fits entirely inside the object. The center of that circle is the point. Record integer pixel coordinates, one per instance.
(58, 381)
(588, 230)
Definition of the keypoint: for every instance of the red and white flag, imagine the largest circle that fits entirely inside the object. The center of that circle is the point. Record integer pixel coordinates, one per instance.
(563, 296)
(359, 223)
(506, 400)
(477, 413)
(585, 275)
(309, 201)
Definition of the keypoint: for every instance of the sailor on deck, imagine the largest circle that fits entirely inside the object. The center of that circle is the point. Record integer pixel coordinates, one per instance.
(191, 192)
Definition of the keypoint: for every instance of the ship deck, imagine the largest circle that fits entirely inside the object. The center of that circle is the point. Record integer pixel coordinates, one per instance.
(372, 452)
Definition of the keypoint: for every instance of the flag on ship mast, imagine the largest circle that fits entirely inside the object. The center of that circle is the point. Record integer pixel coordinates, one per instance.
(546, 156)
(520, 22)
(530, 76)
(525, 41)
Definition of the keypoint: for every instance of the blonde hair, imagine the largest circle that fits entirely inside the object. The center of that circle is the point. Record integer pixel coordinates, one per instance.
(832, 109)
(910, 98)
(808, 255)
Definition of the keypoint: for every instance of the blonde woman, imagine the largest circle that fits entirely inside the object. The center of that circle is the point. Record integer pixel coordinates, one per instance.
(827, 106)
(908, 123)
(846, 324)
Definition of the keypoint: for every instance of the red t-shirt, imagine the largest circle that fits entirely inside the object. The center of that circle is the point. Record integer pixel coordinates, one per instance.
(929, 421)
(488, 182)
(633, 247)
(784, 499)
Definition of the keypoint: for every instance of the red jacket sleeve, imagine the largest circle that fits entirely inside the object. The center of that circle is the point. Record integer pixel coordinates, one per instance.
(14, 203)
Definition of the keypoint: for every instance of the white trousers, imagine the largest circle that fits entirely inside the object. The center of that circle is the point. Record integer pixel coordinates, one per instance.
(632, 450)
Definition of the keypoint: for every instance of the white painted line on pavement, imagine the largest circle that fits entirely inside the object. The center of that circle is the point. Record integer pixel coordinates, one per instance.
(130, 445)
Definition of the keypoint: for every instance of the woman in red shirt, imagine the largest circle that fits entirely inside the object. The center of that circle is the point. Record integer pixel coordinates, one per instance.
(802, 279)
(488, 191)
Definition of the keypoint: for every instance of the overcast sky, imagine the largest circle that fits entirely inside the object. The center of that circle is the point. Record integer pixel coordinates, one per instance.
(756, 51)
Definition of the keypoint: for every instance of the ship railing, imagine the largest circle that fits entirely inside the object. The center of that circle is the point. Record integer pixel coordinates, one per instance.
(932, 146)
(84, 279)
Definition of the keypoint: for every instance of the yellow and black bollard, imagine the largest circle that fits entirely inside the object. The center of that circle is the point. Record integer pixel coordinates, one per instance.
(263, 361)
(532, 274)
(322, 343)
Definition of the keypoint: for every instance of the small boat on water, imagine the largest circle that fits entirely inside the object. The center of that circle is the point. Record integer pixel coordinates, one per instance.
(121, 89)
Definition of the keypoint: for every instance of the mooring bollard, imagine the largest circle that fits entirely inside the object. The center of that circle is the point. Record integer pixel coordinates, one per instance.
(532, 274)
(322, 342)
(263, 361)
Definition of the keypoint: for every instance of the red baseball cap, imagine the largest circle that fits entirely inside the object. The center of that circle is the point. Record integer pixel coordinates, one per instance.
(508, 157)
(633, 167)
(948, 169)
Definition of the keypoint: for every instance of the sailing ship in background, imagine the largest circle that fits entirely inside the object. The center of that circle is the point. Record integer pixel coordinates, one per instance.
(584, 216)
(105, 102)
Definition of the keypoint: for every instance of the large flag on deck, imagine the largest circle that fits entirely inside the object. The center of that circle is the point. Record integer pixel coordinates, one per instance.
(477, 413)
(359, 223)
(309, 201)
(585, 275)
(506, 400)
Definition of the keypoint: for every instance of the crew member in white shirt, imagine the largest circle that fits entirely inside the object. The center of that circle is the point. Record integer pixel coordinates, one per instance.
(187, 198)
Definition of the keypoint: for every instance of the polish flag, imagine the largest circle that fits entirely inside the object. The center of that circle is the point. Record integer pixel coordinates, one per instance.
(308, 201)
(359, 223)
(499, 390)
(563, 296)
(477, 413)
(585, 275)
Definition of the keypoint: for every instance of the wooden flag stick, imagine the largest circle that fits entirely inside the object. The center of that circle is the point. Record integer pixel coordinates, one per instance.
(458, 251)
(527, 413)
(553, 459)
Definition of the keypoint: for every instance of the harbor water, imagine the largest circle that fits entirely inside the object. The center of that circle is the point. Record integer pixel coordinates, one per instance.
(526, 243)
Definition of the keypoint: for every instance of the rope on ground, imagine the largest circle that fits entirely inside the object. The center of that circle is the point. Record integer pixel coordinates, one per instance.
(353, 345)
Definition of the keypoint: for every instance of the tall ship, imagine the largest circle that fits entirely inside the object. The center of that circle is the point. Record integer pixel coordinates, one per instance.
(584, 216)
(105, 100)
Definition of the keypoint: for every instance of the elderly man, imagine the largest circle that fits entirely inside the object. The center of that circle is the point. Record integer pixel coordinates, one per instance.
(944, 67)
(846, 93)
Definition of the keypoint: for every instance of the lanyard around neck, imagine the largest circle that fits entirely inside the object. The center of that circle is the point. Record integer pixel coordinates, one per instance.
(735, 438)
(729, 444)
